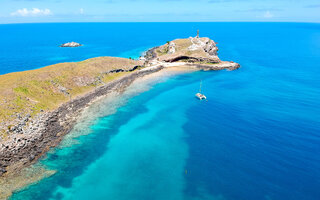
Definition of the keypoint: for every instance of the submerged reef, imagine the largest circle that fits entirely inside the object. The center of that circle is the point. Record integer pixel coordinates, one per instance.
(38, 107)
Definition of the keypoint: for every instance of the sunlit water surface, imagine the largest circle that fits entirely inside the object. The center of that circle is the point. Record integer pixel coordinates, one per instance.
(257, 136)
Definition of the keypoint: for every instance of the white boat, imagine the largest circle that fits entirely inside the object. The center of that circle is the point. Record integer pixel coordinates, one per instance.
(199, 95)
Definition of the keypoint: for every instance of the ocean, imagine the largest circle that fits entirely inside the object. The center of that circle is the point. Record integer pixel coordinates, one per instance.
(257, 136)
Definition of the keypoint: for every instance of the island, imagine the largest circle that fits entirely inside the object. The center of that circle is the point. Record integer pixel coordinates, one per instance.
(71, 44)
(200, 53)
(38, 107)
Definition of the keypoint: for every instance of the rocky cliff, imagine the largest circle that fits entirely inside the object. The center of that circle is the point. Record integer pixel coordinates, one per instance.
(189, 50)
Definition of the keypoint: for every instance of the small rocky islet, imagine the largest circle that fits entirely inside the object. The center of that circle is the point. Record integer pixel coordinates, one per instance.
(38, 107)
(71, 44)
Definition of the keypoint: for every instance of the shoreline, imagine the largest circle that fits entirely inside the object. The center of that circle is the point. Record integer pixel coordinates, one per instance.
(30, 141)
(31, 173)
(49, 127)
(53, 126)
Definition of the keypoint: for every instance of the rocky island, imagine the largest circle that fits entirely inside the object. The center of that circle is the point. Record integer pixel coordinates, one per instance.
(38, 107)
(71, 44)
(201, 53)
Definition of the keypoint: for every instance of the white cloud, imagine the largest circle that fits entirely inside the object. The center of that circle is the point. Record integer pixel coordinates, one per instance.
(81, 11)
(267, 14)
(24, 12)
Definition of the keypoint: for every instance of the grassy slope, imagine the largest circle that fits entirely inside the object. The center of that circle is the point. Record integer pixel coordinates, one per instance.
(29, 92)
(181, 49)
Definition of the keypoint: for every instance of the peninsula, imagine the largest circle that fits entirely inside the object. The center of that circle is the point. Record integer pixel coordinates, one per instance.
(38, 107)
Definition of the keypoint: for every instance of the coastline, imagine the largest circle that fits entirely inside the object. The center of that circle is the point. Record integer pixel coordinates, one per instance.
(32, 140)
(57, 123)
(54, 125)
(257, 132)
(31, 172)
(48, 128)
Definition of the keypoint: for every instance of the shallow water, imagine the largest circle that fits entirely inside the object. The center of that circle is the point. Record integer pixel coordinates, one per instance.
(257, 136)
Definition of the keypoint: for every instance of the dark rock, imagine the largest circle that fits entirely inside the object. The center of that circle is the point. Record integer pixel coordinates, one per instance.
(2, 170)
(31, 158)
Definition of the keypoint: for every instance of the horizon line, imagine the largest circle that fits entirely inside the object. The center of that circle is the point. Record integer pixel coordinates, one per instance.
(164, 22)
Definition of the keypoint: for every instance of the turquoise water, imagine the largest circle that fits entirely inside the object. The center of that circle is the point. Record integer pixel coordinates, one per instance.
(257, 136)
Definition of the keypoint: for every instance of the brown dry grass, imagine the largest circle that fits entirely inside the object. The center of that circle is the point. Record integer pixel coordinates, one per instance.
(29, 92)
(181, 50)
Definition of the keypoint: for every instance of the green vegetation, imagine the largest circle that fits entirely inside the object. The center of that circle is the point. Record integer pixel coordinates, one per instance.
(113, 76)
(29, 92)
(24, 90)
(162, 51)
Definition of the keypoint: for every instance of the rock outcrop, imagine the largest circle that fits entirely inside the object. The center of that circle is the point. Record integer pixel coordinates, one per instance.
(194, 50)
(171, 48)
(71, 44)
(206, 44)
(211, 48)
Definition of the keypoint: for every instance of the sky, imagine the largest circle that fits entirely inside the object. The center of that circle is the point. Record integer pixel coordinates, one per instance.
(34, 11)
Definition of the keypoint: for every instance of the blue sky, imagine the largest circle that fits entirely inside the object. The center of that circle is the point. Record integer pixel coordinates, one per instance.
(26, 11)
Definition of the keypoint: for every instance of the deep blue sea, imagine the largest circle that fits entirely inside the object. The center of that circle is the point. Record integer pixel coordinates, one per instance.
(257, 136)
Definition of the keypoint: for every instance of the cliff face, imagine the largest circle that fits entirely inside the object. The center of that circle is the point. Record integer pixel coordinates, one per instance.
(190, 50)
